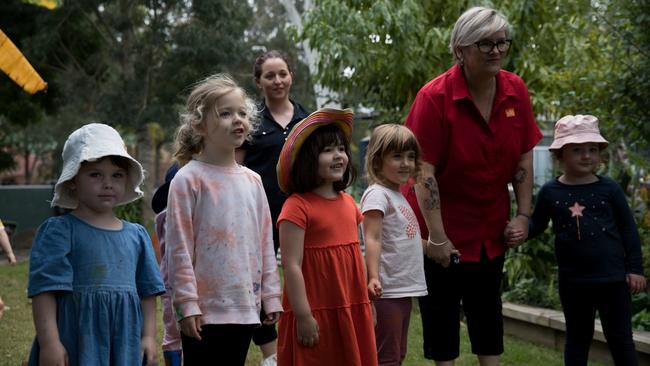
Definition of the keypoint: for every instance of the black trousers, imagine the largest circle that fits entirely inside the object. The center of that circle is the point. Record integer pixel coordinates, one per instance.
(613, 302)
(220, 344)
(267, 333)
(478, 286)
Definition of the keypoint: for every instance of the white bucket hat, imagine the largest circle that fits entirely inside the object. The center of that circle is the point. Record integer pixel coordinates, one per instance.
(91, 143)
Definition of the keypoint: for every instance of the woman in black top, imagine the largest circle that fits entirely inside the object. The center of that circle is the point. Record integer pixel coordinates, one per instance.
(273, 76)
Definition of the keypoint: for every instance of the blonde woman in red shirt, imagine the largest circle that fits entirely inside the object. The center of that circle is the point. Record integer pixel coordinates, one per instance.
(476, 128)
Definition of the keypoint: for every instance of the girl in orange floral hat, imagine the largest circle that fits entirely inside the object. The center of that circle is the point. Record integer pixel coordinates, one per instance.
(328, 317)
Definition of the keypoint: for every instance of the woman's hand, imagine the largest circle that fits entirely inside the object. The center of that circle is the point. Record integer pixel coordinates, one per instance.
(636, 282)
(516, 231)
(149, 351)
(374, 288)
(307, 330)
(272, 318)
(53, 354)
(191, 326)
(441, 253)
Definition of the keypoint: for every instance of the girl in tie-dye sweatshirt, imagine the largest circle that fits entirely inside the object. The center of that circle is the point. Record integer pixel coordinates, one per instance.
(222, 267)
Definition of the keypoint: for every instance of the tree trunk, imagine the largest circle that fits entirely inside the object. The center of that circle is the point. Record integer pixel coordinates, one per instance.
(324, 96)
(145, 153)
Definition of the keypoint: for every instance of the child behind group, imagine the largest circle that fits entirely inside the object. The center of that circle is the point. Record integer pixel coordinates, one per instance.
(171, 341)
(597, 244)
(93, 278)
(394, 252)
(328, 317)
(221, 264)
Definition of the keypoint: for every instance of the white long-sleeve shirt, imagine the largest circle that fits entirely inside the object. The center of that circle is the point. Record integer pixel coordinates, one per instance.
(219, 241)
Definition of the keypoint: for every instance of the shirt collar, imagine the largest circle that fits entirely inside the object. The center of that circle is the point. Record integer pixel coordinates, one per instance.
(266, 113)
(461, 90)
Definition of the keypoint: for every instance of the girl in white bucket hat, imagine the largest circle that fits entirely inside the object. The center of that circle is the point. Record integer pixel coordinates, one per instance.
(93, 278)
(597, 244)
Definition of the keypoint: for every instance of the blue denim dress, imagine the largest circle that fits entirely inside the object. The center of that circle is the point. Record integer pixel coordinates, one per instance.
(98, 277)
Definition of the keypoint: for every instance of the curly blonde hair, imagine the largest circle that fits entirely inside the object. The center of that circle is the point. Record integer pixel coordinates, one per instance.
(202, 102)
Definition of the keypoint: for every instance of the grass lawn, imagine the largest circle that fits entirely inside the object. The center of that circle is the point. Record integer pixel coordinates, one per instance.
(17, 332)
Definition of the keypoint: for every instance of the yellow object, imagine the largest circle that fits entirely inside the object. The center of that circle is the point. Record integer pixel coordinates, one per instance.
(50, 4)
(14, 64)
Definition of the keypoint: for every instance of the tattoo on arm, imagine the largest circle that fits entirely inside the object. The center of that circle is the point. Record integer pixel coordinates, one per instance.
(520, 176)
(432, 201)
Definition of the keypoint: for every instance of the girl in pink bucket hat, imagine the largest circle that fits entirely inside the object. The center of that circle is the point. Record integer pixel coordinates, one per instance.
(597, 244)
(328, 317)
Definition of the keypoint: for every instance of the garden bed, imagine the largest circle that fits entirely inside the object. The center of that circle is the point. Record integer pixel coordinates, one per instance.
(547, 327)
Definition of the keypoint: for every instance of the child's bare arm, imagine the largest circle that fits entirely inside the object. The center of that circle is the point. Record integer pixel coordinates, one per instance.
(292, 241)
(148, 346)
(372, 227)
(6, 246)
(52, 351)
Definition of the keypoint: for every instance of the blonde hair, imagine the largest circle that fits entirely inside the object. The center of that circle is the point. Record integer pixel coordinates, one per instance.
(474, 25)
(385, 139)
(202, 103)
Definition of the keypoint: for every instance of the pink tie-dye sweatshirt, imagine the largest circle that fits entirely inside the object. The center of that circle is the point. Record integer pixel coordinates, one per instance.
(219, 241)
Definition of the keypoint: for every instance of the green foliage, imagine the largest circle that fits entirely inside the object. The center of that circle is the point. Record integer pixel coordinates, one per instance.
(131, 62)
(531, 273)
(535, 292)
(129, 212)
(576, 57)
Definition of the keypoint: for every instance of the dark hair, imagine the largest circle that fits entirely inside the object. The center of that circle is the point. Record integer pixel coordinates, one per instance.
(304, 173)
(119, 161)
(261, 59)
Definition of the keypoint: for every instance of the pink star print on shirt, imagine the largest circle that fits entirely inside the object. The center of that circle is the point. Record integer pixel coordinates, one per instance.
(576, 211)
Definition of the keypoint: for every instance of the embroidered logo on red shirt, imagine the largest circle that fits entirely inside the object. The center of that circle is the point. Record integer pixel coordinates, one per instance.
(510, 112)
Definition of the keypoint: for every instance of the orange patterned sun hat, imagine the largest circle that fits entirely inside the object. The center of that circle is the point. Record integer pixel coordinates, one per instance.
(301, 131)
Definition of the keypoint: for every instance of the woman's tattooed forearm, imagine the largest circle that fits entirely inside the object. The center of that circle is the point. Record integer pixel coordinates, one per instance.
(520, 176)
(432, 201)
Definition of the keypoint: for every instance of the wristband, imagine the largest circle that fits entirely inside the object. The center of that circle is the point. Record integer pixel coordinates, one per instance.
(437, 244)
(523, 214)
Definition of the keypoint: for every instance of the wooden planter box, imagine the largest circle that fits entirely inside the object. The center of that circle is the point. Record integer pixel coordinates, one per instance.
(547, 327)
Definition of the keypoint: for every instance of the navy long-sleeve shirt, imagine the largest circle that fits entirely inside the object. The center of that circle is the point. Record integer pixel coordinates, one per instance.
(596, 238)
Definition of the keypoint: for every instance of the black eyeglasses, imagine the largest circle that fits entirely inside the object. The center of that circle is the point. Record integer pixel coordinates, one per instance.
(486, 46)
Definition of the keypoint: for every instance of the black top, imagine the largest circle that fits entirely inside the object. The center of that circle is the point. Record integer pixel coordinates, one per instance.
(263, 151)
(596, 239)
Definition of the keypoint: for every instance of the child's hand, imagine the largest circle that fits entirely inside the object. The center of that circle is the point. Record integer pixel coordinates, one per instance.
(516, 231)
(191, 326)
(53, 354)
(149, 351)
(272, 318)
(374, 288)
(636, 282)
(11, 258)
(307, 330)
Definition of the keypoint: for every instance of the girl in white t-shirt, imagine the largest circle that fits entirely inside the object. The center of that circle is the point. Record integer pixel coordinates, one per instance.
(394, 255)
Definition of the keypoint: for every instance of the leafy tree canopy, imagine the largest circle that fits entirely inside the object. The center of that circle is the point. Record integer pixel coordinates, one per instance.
(576, 57)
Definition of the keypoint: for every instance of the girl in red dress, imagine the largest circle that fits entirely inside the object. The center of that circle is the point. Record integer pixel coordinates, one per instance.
(328, 316)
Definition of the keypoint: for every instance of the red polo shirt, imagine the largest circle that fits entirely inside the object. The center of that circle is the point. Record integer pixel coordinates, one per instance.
(474, 160)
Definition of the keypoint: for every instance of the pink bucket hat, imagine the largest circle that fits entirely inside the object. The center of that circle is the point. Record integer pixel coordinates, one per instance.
(301, 131)
(577, 129)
